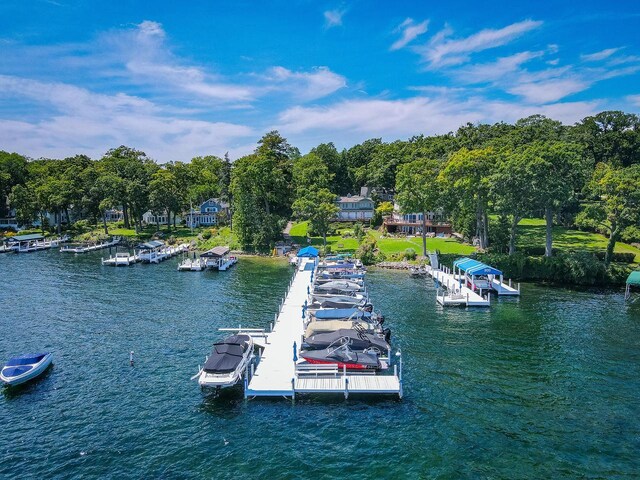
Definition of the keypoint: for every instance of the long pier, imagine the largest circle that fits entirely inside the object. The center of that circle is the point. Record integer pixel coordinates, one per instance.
(281, 373)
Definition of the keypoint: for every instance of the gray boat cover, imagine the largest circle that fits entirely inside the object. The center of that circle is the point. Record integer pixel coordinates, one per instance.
(227, 355)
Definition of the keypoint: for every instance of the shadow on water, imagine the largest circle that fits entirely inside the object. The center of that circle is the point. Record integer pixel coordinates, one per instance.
(226, 403)
(37, 385)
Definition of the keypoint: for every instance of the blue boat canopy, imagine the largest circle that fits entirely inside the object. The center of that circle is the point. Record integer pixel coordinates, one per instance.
(337, 313)
(308, 252)
(474, 267)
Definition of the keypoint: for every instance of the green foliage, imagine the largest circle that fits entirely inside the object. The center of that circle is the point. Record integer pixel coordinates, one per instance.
(579, 268)
(358, 232)
(410, 254)
(367, 251)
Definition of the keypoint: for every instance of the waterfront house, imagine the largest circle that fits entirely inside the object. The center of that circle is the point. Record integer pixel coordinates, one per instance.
(150, 218)
(355, 207)
(208, 214)
(411, 223)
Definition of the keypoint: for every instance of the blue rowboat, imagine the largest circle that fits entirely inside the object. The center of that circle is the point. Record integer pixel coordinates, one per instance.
(26, 367)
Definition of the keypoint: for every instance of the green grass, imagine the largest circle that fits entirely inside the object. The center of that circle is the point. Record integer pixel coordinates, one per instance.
(387, 245)
(532, 231)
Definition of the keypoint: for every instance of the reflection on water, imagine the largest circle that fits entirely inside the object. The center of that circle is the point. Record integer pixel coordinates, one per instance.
(538, 387)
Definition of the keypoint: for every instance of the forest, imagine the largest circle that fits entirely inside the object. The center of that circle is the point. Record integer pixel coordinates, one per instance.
(486, 178)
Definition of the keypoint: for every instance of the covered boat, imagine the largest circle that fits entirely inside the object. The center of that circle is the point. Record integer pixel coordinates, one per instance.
(339, 286)
(25, 367)
(227, 362)
(343, 357)
(341, 314)
(357, 339)
(333, 325)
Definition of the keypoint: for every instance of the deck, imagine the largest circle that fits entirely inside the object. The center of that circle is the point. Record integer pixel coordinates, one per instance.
(278, 375)
(456, 294)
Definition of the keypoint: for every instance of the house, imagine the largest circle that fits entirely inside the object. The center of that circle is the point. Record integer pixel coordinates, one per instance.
(114, 215)
(411, 223)
(355, 207)
(151, 219)
(208, 213)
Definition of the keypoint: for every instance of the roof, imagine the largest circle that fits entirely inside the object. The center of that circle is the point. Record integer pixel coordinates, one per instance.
(474, 267)
(150, 245)
(634, 278)
(353, 198)
(25, 238)
(308, 252)
(216, 252)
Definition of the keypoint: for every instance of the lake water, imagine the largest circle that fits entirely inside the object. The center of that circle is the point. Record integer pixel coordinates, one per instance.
(545, 386)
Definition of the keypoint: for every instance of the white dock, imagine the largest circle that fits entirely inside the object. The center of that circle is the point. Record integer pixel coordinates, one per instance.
(90, 248)
(455, 293)
(503, 289)
(122, 259)
(278, 375)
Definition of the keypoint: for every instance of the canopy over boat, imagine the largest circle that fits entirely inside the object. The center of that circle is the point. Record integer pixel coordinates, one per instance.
(634, 278)
(474, 267)
(151, 245)
(308, 252)
(25, 238)
(216, 252)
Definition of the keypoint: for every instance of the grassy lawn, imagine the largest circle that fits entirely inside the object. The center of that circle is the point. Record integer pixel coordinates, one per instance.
(531, 233)
(387, 245)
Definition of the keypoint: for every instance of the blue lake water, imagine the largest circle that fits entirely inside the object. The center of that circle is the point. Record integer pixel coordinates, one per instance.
(545, 386)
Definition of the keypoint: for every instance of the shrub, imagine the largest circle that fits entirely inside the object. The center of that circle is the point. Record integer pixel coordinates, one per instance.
(327, 250)
(410, 254)
(367, 251)
(206, 234)
(171, 240)
(621, 257)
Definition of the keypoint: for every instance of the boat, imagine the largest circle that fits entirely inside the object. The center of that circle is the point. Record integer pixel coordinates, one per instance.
(420, 271)
(343, 357)
(348, 274)
(356, 338)
(333, 325)
(339, 286)
(227, 362)
(356, 298)
(26, 367)
(343, 314)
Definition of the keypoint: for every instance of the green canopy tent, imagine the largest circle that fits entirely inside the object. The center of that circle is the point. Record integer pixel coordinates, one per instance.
(634, 279)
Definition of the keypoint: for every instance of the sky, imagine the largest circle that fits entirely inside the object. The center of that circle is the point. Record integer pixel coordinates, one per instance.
(179, 79)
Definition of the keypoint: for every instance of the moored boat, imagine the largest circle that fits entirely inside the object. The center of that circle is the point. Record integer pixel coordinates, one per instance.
(26, 367)
(227, 362)
(343, 357)
(357, 339)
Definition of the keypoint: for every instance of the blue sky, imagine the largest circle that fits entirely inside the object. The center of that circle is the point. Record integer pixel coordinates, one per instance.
(180, 79)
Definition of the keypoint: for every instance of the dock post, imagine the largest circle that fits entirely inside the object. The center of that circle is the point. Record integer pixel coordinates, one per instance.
(346, 388)
(271, 327)
(518, 287)
(293, 388)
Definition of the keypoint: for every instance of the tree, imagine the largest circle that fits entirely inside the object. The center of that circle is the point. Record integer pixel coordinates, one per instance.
(165, 194)
(610, 137)
(23, 199)
(310, 173)
(319, 207)
(556, 170)
(466, 179)
(511, 189)
(617, 191)
(13, 171)
(418, 190)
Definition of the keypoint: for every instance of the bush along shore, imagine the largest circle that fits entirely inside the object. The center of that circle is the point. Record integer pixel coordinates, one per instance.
(565, 268)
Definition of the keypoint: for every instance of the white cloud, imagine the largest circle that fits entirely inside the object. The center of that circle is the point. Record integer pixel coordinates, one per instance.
(333, 18)
(489, 72)
(549, 91)
(597, 56)
(360, 119)
(442, 51)
(634, 99)
(410, 31)
(306, 85)
(74, 120)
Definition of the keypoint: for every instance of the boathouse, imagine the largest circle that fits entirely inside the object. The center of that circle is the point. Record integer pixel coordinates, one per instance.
(216, 257)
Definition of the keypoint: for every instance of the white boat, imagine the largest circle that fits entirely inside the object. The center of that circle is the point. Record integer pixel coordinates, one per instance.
(23, 368)
(340, 286)
(227, 362)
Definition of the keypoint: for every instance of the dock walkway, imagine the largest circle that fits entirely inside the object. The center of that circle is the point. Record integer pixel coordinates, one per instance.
(278, 375)
(456, 294)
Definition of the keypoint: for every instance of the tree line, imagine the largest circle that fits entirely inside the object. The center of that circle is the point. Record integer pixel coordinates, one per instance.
(485, 177)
